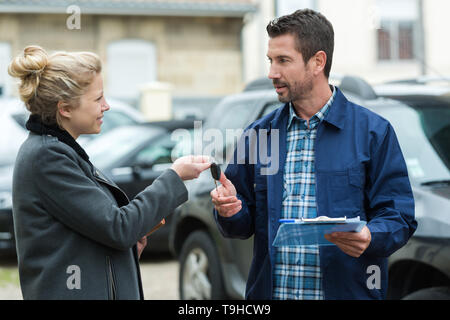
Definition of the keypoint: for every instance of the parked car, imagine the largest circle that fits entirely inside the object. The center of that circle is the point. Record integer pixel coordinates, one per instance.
(12, 129)
(421, 269)
(13, 117)
(214, 267)
(133, 157)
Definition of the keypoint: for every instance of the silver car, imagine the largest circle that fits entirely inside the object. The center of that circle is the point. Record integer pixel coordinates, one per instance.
(214, 267)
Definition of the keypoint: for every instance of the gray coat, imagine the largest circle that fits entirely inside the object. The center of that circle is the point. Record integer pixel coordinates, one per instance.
(76, 231)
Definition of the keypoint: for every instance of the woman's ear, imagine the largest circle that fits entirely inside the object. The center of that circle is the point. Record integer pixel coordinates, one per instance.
(64, 109)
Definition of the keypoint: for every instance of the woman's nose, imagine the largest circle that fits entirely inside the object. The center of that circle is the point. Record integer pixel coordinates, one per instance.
(105, 106)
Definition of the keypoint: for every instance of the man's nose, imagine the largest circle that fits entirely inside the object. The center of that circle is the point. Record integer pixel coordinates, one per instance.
(273, 73)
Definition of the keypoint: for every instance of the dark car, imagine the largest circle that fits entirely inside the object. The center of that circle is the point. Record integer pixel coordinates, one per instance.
(133, 157)
(214, 267)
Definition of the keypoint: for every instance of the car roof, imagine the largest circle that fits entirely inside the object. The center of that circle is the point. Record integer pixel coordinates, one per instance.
(15, 105)
(374, 103)
(171, 125)
(132, 112)
(405, 89)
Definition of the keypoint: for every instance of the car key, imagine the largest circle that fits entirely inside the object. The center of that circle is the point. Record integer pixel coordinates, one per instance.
(215, 172)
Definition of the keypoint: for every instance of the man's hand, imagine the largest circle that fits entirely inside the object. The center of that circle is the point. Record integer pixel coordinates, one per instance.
(224, 198)
(352, 243)
(142, 243)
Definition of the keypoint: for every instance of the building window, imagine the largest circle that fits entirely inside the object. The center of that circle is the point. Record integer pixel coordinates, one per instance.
(396, 40)
(398, 31)
(284, 7)
(131, 63)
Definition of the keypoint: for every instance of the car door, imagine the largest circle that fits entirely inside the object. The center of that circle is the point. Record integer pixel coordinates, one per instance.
(145, 166)
(243, 249)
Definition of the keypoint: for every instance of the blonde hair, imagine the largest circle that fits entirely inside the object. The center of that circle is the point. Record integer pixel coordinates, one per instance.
(47, 79)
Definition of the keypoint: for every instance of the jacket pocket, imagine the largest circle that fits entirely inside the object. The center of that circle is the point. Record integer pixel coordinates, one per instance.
(112, 289)
(345, 190)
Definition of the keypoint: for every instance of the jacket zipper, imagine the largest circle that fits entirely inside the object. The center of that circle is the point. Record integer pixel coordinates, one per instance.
(112, 285)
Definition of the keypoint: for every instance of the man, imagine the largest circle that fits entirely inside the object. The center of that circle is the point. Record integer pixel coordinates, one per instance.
(336, 159)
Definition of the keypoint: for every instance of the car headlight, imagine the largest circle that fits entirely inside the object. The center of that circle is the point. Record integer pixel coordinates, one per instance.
(5, 200)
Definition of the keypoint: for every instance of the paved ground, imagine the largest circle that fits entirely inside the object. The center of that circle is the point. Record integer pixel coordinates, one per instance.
(159, 278)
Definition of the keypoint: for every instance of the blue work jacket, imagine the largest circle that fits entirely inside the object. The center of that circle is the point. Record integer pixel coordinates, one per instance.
(359, 171)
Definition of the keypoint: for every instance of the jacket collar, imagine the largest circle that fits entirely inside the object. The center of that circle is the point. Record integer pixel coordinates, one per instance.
(335, 115)
(35, 125)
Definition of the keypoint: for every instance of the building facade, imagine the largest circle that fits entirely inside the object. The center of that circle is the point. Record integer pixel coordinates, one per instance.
(195, 45)
(379, 40)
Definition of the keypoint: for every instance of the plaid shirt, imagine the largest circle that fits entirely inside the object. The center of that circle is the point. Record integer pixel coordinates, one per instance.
(297, 273)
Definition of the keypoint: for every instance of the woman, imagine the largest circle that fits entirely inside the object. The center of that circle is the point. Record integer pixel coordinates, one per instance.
(76, 231)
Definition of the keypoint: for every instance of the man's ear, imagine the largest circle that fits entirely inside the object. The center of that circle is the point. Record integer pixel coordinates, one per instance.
(319, 59)
(64, 109)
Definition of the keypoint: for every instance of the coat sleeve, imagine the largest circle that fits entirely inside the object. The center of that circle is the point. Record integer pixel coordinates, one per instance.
(79, 203)
(240, 172)
(389, 197)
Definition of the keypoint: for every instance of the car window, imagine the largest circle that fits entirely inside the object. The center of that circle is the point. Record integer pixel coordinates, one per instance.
(114, 119)
(228, 120)
(436, 125)
(414, 130)
(156, 152)
(107, 150)
(231, 116)
(270, 107)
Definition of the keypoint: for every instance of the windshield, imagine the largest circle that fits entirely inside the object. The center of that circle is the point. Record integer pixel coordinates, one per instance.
(106, 150)
(424, 136)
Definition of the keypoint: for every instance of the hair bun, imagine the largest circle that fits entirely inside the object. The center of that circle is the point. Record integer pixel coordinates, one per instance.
(28, 67)
(33, 61)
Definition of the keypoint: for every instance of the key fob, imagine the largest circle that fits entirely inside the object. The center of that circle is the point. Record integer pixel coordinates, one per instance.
(215, 171)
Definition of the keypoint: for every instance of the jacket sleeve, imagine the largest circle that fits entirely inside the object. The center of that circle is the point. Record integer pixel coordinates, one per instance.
(78, 202)
(389, 197)
(241, 174)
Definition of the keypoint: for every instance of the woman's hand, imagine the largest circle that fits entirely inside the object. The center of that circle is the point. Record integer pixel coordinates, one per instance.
(142, 243)
(190, 167)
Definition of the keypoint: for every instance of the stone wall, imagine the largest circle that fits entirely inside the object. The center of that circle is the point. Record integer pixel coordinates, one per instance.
(197, 55)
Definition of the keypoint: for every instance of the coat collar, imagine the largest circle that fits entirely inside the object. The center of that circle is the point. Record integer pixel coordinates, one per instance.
(35, 125)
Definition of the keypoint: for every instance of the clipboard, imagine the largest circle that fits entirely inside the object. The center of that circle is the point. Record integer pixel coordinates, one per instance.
(304, 231)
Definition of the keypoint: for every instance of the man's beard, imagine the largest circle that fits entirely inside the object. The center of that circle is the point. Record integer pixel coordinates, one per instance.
(296, 91)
